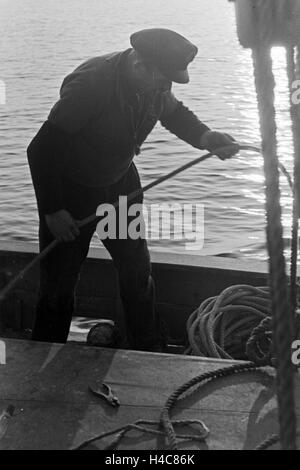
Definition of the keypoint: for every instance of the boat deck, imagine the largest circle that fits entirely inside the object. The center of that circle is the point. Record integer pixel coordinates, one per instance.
(48, 385)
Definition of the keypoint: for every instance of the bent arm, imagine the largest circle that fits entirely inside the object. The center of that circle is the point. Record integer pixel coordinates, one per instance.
(182, 122)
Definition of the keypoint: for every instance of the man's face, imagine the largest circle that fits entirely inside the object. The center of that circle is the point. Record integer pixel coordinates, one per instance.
(148, 78)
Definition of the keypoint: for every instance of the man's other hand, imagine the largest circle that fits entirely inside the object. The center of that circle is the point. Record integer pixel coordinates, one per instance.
(62, 226)
(212, 140)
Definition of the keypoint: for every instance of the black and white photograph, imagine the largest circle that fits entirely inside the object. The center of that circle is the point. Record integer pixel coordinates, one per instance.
(149, 227)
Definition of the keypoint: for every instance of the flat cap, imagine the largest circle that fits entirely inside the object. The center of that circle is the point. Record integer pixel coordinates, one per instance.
(168, 51)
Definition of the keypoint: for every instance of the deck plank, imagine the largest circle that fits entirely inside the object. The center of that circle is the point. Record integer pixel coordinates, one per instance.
(48, 385)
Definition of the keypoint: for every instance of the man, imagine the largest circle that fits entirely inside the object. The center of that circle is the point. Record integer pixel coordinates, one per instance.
(83, 156)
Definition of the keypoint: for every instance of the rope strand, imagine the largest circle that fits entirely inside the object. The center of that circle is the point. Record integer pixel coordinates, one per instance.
(281, 311)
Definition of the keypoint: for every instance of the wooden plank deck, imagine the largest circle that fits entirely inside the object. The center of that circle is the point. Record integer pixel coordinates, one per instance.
(48, 385)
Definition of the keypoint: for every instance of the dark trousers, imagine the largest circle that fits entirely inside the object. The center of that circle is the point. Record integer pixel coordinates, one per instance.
(59, 271)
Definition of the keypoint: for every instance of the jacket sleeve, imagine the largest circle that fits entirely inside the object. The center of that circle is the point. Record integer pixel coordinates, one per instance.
(182, 122)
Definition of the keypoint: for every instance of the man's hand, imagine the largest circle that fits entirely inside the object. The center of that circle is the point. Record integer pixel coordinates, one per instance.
(62, 226)
(212, 140)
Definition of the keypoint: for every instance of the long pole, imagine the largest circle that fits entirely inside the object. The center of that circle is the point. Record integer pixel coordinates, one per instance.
(93, 218)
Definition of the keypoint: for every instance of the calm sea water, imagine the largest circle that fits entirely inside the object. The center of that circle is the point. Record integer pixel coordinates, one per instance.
(43, 41)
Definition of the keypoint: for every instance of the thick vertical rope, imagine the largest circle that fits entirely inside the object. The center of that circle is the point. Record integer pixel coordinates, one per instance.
(295, 119)
(281, 319)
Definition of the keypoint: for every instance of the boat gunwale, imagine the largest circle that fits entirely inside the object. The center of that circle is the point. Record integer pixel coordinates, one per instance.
(178, 260)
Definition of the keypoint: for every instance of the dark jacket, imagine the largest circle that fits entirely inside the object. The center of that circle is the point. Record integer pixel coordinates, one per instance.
(97, 127)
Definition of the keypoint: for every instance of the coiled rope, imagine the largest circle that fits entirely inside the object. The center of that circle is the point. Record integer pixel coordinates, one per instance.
(221, 326)
(235, 325)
